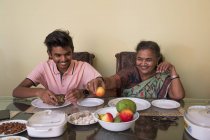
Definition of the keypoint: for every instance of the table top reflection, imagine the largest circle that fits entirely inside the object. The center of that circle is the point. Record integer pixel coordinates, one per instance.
(145, 128)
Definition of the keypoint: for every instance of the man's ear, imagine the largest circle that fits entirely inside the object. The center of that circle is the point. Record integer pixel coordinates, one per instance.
(49, 54)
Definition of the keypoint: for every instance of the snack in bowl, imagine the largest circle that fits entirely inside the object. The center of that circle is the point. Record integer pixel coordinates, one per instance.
(117, 124)
(60, 99)
(12, 127)
(81, 118)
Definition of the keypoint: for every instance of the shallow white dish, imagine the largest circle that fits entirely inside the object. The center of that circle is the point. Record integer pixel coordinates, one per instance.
(81, 118)
(14, 138)
(141, 104)
(165, 104)
(39, 104)
(9, 121)
(90, 102)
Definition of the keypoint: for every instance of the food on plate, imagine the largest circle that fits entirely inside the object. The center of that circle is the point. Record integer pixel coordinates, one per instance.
(12, 138)
(82, 118)
(100, 91)
(107, 117)
(60, 98)
(11, 127)
(126, 115)
(126, 104)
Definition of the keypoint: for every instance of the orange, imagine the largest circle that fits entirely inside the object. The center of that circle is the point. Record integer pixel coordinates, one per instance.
(100, 91)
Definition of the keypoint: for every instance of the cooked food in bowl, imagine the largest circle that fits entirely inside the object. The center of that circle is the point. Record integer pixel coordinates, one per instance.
(60, 98)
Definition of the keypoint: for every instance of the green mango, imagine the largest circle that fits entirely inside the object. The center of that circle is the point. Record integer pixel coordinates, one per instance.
(126, 104)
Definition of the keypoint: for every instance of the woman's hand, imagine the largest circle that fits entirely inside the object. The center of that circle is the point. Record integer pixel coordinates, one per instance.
(164, 67)
(94, 84)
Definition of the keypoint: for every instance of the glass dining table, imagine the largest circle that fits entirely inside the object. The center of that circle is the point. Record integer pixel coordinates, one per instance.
(147, 127)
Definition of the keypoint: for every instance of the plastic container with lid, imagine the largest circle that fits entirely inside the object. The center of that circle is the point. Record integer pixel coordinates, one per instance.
(47, 123)
(197, 122)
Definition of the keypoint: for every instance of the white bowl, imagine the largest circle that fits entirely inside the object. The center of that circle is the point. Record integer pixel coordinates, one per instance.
(121, 126)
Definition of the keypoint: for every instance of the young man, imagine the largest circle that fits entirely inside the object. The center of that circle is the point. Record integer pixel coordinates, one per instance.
(59, 74)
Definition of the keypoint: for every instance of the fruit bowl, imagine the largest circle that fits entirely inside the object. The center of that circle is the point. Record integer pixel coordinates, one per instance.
(114, 126)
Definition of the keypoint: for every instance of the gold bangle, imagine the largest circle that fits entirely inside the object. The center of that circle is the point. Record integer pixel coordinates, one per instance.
(174, 77)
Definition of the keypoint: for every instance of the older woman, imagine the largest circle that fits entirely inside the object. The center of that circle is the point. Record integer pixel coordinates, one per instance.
(150, 78)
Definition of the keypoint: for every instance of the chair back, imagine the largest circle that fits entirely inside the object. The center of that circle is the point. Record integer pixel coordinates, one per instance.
(125, 59)
(84, 56)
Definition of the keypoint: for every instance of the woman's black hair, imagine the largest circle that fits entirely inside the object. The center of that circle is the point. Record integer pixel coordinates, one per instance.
(153, 46)
(59, 38)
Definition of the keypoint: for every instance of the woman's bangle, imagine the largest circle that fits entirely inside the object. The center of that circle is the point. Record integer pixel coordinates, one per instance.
(174, 77)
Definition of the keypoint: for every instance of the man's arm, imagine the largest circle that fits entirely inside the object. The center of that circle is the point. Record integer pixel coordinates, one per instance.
(24, 90)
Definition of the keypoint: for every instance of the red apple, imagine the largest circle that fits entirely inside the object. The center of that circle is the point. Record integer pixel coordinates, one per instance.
(126, 115)
(106, 117)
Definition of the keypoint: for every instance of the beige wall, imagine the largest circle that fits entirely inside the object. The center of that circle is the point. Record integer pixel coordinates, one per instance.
(105, 27)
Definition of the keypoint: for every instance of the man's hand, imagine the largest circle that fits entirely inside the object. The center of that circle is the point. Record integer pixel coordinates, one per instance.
(74, 95)
(47, 97)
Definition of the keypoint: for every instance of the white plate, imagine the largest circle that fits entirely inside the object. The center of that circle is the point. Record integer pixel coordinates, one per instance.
(165, 104)
(82, 118)
(39, 104)
(90, 102)
(141, 104)
(9, 121)
(13, 138)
